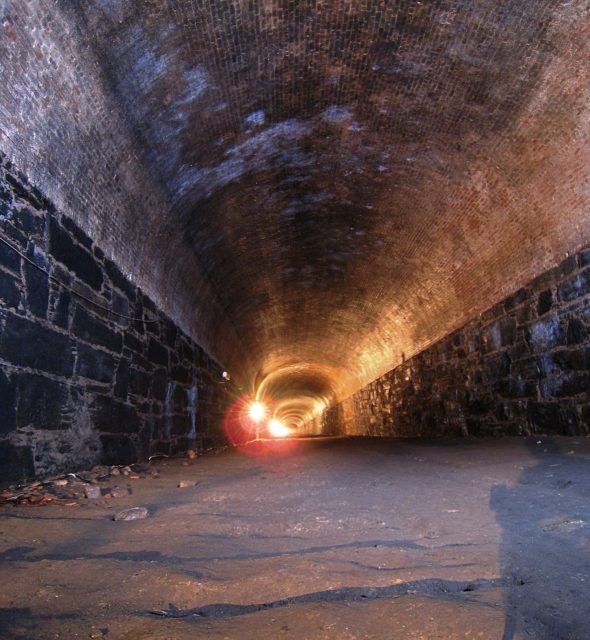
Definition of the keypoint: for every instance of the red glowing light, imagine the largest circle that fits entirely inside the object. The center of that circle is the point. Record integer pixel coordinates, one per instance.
(257, 411)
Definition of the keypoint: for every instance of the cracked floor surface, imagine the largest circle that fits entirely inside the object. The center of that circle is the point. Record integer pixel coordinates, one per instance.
(318, 538)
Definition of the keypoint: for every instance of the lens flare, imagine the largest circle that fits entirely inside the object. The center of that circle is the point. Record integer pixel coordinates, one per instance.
(277, 429)
(257, 411)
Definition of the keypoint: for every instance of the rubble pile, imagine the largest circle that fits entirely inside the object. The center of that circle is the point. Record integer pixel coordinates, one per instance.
(73, 489)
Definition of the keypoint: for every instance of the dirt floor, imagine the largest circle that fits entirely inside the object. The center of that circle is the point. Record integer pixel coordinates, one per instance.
(321, 538)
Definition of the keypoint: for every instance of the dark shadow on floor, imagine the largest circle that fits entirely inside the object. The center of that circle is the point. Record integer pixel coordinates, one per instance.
(23, 624)
(430, 587)
(545, 551)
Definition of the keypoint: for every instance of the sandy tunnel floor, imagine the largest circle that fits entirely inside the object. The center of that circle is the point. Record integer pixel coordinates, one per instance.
(316, 539)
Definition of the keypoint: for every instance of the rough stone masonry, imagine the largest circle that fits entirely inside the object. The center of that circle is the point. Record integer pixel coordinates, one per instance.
(91, 371)
(520, 368)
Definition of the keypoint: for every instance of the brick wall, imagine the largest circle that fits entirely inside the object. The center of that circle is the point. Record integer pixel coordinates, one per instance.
(80, 385)
(522, 367)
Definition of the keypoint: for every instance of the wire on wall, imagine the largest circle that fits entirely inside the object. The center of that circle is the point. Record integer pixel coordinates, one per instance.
(72, 291)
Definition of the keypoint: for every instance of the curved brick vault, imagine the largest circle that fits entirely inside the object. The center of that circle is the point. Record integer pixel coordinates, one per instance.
(314, 190)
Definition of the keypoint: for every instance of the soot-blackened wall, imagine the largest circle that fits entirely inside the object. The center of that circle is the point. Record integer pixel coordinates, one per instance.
(81, 385)
(522, 367)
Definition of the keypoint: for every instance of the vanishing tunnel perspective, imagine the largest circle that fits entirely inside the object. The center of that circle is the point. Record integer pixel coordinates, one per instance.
(294, 319)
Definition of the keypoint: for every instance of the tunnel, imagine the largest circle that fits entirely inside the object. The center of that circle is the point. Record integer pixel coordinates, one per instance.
(294, 319)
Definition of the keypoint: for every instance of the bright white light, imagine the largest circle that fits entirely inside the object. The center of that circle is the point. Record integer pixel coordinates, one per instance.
(278, 429)
(257, 411)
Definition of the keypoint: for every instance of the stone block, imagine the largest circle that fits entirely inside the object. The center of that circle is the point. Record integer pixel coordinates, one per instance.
(16, 463)
(42, 402)
(94, 330)
(566, 267)
(179, 399)
(526, 313)
(30, 223)
(113, 416)
(75, 231)
(520, 348)
(23, 192)
(117, 449)
(141, 362)
(139, 382)
(120, 305)
(170, 332)
(61, 313)
(544, 417)
(551, 418)
(73, 256)
(7, 404)
(507, 328)
(479, 405)
(573, 359)
(516, 299)
(95, 364)
(122, 380)
(119, 281)
(179, 425)
(181, 374)
(574, 384)
(27, 343)
(577, 331)
(527, 369)
(512, 388)
(157, 354)
(9, 290)
(153, 328)
(161, 446)
(9, 258)
(159, 384)
(133, 343)
(544, 302)
(14, 235)
(546, 365)
(545, 334)
(37, 282)
(496, 366)
(575, 287)
(138, 325)
(187, 353)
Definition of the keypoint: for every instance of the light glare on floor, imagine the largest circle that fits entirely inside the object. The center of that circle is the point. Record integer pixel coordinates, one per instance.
(277, 429)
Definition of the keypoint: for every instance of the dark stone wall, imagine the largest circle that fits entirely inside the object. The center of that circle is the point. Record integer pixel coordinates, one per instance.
(521, 368)
(82, 380)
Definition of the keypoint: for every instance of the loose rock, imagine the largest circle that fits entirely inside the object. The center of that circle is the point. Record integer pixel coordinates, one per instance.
(183, 484)
(118, 492)
(92, 491)
(134, 513)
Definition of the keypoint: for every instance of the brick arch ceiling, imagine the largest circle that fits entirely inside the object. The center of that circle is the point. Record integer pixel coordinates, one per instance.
(339, 183)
